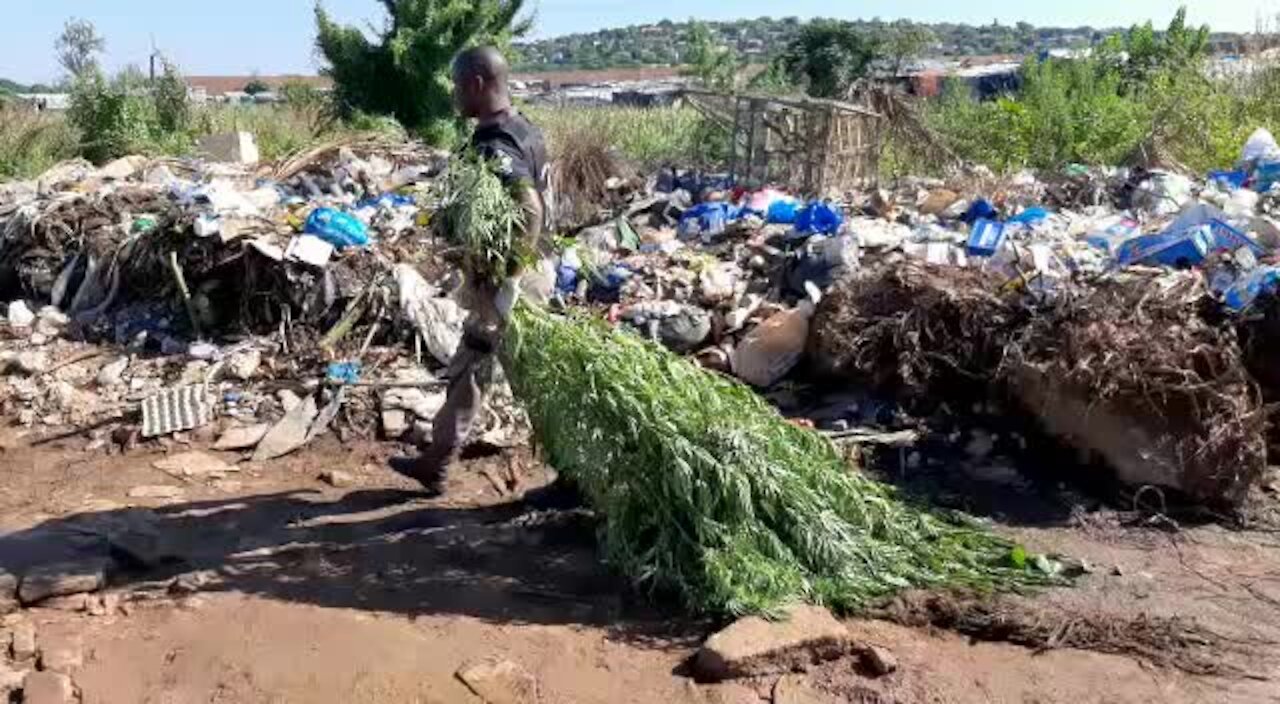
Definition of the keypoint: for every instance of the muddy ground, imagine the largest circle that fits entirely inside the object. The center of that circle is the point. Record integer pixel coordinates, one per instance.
(271, 585)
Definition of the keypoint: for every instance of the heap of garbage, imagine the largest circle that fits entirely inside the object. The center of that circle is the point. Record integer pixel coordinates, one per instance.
(265, 306)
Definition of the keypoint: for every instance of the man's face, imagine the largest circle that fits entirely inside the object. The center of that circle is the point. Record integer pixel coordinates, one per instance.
(464, 94)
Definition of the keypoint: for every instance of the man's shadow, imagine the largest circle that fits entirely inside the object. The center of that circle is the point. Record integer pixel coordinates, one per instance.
(385, 550)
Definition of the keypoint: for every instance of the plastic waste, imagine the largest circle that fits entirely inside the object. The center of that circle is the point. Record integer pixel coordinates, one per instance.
(1242, 204)
(438, 320)
(1266, 175)
(1164, 193)
(1229, 180)
(772, 349)
(707, 219)
(819, 218)
(718, 283)
(979, 210)
(1260, 145)
(985, 238)
(822, 261)
(1240, 295)
(1031, 216)
(1113, 233)
(339, 229)
(1224, 235)
(1175, 249)
(343, 372)
(309, 249)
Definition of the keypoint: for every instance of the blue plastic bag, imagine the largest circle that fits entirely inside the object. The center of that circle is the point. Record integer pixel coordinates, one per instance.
(819, 218)
(339, 229)
(708, 219)
(782, 212)
(1230, 180)
(1030, 216)
(980, 210)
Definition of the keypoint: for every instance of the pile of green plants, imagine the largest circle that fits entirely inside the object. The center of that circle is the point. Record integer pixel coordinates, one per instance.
(708, 493)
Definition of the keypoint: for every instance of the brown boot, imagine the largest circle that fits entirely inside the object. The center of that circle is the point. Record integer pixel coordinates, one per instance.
(430, 469)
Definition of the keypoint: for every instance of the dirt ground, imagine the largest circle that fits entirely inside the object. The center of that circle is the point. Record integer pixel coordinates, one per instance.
(278, 587)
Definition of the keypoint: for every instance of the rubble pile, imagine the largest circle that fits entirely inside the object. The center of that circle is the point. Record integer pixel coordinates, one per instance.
(148, 297)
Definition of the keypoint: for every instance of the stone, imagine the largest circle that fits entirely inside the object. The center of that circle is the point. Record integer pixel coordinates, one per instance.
(753, 646)
(22, 641)
(192, 582)
(880, 661)
(231, 147)
(104, 605)
(31, 362)
(72, 603)
(337, 478)
(395, 423)
(122, 168)
(11, 680)
(245, 437)
(61, 653)
(156, 491)
(112, 374)
(795, 689)
(498, 681)
(51, 322)
(729, 693)
(938, 201)
(244, 364)
(289, 434)
(62, 579)
(48, 688)
(193, 464)
(288, 399)
(8, 593)
(20, 316)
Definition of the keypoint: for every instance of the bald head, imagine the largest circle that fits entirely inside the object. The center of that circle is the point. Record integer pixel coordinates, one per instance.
(480, 78)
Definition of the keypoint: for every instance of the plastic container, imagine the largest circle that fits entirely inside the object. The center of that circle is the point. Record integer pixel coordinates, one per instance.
(339, 229)
(985, 238)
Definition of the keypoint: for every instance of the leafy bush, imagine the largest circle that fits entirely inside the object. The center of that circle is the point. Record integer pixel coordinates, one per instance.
(130, 115)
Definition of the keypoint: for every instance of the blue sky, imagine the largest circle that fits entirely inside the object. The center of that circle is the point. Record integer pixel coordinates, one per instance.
(275, 36)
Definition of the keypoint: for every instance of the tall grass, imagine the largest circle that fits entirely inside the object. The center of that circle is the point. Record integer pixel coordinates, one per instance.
(31, 142)
(648, 137)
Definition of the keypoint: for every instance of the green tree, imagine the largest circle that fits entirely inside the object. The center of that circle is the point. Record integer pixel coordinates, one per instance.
(78, 47)
(713, 65)
(404, 71)
(828, 56)
(905, 42)
(256, 86)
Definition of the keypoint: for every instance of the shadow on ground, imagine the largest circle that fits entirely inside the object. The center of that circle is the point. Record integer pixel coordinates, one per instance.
(385, 551)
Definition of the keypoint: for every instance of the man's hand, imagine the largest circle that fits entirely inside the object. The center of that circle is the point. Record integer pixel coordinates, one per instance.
(505, 300)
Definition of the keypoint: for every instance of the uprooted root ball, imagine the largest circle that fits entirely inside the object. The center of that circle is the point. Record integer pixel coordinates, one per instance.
(917, 331)
(1132, 370)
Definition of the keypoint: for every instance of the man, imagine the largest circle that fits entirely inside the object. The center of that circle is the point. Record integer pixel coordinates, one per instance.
(517, 151)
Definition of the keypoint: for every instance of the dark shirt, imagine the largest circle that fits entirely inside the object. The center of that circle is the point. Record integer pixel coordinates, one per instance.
(517, 149)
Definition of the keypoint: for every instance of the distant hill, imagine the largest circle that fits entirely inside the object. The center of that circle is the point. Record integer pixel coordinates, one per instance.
(758, 40)
(8, 87)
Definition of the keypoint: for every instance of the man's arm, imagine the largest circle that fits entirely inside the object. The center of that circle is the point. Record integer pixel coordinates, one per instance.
(531, 229)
